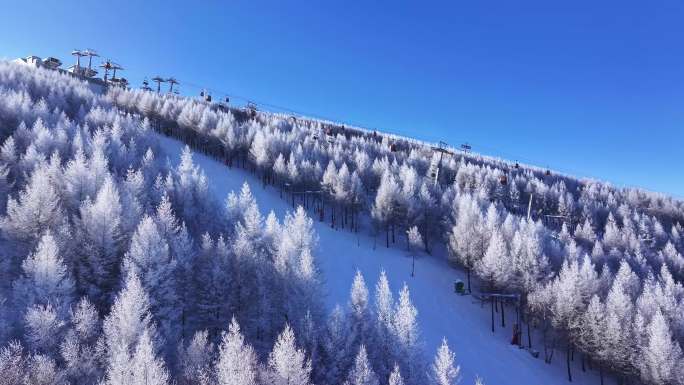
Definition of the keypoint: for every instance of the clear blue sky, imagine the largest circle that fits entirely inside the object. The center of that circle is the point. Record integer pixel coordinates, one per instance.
(592, 88)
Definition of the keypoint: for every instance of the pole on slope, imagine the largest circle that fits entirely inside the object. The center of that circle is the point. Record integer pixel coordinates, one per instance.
(413, 265)
(529, 207)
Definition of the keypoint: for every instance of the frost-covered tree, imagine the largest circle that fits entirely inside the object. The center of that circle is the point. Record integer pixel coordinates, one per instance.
(386, 204)
(661, 356)
(467, 242)
(443, 371)
(100, 228)
(414, 239)
(149, 258)
(45, 279)
(195, 359)
(359, 313)
(130, 339)
(494, 266)
(79, 183)
(385, 314)
(128, 319)
(334, 357)
(395, 377)
(237, 361)
(287, 365)
(362, 372)
(44, 327)
(43, 370)
(406, 332)
(79, 348)
(36, 210)
(145, 367)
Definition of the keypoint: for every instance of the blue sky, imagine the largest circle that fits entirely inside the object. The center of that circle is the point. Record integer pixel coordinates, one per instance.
(591, 88)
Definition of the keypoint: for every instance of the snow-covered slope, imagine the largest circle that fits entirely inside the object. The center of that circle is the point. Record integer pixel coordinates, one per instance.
(464, 323)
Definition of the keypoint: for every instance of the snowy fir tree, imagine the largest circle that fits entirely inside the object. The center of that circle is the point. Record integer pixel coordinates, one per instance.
(237, 362)
(361, 373)
(287, 365)
(443, 371)
(45, 279)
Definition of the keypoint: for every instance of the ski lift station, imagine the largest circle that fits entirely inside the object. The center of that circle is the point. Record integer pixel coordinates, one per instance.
(82, 68)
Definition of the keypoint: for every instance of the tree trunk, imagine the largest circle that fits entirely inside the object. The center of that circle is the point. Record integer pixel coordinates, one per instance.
(468, 274)
(529, 334)
(567, 362)
(492, 301)
(387, 234)
(503, 312)
(393, 239)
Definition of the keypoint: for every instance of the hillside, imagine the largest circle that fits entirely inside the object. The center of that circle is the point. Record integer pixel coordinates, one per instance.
(441, 312)
(114, 257)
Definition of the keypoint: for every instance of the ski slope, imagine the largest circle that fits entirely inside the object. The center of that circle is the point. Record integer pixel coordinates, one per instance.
(441, 313)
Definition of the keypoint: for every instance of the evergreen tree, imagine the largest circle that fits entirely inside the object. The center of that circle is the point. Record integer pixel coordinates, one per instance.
(443, 370)
(100, 229)
(195, 359)
(494, 266)
(395, 377)
(287, 365)
(45, 279)
(44, 328)
(79, 348)
(384, 305)
(467, 240)
(129, 338)
(146, 368)
(334, 358)
(384, 209)
(237, 362)
(36, 210)
(359, 313)
(661, 357)
(149, 257)
(407, 337)
(361, 373)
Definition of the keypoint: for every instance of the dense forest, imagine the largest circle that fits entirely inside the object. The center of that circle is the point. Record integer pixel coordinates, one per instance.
(598, 268)
(121, 269)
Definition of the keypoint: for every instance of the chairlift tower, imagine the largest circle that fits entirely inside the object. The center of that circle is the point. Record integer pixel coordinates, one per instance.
(116, 67)
(76, 68)
(436, 163)
(90, 72)
(107, 65)
(171, 82)
(159, 81)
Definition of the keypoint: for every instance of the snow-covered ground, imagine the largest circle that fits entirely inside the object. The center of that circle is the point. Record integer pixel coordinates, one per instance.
(441, 313)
